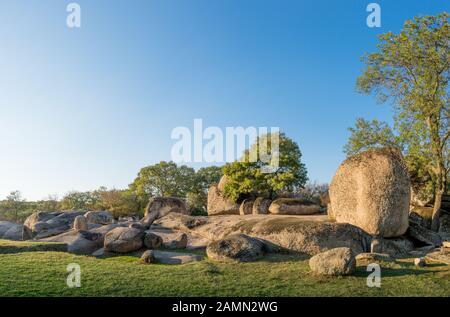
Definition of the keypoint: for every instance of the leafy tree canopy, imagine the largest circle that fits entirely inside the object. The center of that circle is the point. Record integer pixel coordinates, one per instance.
(412, 69)
(249, 177)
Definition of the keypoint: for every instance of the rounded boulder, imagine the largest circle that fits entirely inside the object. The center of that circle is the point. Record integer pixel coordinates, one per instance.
(124, 240)
(237, 247)
(371, 190)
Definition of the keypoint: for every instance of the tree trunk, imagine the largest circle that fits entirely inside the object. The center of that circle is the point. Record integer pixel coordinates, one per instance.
(440, 170)
(440, 190)
(436, 210)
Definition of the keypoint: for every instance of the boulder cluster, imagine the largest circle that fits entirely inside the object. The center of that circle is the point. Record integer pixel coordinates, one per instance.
(98, 233)
(218, 204)
(368, 220)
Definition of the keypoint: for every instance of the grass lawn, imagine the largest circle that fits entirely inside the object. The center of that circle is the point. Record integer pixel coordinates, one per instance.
(26, 272)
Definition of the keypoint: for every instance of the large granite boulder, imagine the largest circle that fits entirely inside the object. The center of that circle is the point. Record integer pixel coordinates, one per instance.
(371, 190)
(293, 206)
(100, 217)
(158, 207)
(124, 240)
(218, 204)
(44, 224)
(334, 262)
(261, 206)
(238, 247)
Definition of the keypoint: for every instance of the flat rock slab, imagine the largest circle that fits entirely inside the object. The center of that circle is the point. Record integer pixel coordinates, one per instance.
(167, 257)
(304, 234)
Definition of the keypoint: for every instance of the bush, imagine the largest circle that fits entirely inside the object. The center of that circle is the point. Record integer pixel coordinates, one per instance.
(315, 192)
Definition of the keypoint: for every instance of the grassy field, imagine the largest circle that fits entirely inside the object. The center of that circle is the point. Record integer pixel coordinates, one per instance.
(26, 272)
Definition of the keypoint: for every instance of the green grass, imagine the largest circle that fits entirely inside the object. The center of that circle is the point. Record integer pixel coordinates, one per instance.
(44, 274)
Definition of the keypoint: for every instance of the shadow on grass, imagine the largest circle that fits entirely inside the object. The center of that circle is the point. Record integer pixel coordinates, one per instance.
(282, 258)
(394, 272)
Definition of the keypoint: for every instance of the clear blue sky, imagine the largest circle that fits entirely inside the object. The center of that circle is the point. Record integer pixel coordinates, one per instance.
(81, 108)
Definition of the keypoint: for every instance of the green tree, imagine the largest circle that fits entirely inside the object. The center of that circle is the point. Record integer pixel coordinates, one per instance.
(51, 203)
(164, 179)
(14, 205)
(120, 202)
(412, 69)
(205, 177)
(208, 176)
(370, 134)
(78, 200)
(248, 177)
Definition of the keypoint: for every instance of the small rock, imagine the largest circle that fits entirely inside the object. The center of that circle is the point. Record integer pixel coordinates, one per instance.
(80, 223)
(334, 262)
(420, 262)
(446, 244)
(148, 257)
(152, 241)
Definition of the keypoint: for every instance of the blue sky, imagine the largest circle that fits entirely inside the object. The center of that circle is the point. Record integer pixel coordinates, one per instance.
(82, 108)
